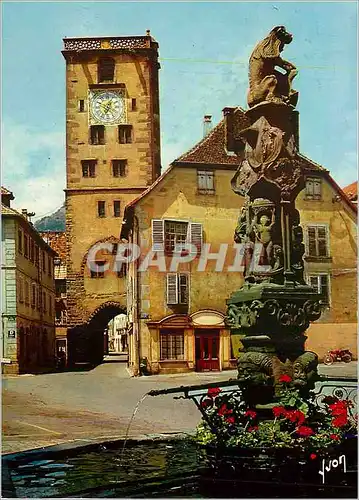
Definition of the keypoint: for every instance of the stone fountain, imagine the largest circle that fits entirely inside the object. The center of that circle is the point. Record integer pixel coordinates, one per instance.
(272, 310)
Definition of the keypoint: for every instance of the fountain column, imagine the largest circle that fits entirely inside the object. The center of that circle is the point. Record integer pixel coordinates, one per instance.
(274, 307)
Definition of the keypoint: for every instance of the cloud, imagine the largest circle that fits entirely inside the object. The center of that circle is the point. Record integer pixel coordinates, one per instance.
(33, 163)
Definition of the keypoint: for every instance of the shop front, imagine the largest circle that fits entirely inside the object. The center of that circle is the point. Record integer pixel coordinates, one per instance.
(181, 343)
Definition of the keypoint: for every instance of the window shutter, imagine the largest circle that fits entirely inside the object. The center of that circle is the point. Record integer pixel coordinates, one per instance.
(309, 187)
(201, 179)
(157, 234)
(311, 241)
(210, 181)
(183, 289)
(324, 288)
(172, 289)
(313, 281)
(317, 185)
(322, 242)
(196, 235)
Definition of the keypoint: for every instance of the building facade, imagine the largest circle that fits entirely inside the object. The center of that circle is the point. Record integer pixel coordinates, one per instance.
(28, 291)
(177, 301)
(57, 241)
(112, 155)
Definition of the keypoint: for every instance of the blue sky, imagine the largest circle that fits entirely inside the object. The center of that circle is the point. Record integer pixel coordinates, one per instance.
(204, 51)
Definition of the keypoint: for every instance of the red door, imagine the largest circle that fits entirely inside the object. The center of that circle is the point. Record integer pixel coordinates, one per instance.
(207, 350)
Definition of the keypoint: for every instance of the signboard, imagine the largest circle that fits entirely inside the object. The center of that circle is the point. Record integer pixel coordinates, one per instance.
(11, 334)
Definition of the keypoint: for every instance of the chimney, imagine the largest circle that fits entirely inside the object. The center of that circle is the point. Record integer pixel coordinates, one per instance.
(27, 214)
(207, 125)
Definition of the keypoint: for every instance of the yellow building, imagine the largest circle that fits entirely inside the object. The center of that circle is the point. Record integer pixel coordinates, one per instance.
(176, 309)
(112, 155)
(28, 292)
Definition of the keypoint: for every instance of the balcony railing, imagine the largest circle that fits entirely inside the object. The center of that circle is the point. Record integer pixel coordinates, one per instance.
(128, 42)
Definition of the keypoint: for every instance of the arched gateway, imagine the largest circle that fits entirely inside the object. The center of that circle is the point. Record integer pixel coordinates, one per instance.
(87, 343)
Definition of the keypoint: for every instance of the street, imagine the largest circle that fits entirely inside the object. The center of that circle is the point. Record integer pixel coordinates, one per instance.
(40, 410)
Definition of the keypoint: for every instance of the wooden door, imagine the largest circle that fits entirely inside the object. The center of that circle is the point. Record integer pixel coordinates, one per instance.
(207, 350)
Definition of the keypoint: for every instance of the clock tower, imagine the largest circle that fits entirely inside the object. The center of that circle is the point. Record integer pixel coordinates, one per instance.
(112, 156)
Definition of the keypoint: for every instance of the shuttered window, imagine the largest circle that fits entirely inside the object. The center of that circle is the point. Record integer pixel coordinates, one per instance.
(320, 283)
(317, 241)
(21, 290)
(19, 239)
(313, 188)
(26, 245)
(205, 181)
(172, 345)
(177, 289)
(27, 292)
(175, 235)
(170, 234)
(33, 295)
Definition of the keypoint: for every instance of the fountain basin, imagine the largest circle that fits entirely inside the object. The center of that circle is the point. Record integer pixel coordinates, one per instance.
(170, 467)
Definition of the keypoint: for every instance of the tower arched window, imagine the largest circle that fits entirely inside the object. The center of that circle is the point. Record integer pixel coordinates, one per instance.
(106, 69)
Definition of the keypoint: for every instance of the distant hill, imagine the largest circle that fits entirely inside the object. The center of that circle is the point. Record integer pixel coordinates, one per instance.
(53, 222)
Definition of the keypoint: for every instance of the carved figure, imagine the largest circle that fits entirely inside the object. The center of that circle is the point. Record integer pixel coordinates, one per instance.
(255, 365)
(263, 231)
(277, 258)
(265, 82)
(305, 370)
(240, 232)
(264, 143)
(298, 247)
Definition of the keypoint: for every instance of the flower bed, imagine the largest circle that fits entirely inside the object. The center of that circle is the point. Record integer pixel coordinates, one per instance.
(291, 422)
(280, 444)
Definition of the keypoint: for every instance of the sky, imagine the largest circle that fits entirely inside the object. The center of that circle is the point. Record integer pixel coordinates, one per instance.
(204, 50)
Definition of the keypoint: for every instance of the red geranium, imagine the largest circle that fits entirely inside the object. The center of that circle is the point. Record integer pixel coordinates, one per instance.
(313, 456)
(206, 402)
(340, 421)
(230, 420)
(278, 411)
(335, 437)
(339, 408)
(213, 392)
(285, 378)
(295, 416)
(304, 431)
(254, 428)
(223, 410)
(250, 414)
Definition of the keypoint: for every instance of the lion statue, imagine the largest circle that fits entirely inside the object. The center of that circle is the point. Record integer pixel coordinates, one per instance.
(265, 82)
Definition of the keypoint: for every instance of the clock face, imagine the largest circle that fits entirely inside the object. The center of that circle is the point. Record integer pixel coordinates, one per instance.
(107, 107)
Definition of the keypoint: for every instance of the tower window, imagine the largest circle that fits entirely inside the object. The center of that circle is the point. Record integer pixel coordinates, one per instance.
(133, 104)
(106, 69)
(125, 134)
(117, 208)
(81, 105)
(101, 210)
(97, 134)
(119, 168)
(88, 168)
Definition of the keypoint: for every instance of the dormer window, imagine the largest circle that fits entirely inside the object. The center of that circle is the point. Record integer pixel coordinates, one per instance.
(106, 69)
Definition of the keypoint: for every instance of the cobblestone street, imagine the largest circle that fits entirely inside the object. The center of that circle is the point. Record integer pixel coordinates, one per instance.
(97, 405)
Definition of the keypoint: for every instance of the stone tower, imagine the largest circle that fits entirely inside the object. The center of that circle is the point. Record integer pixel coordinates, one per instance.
(112, 155)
